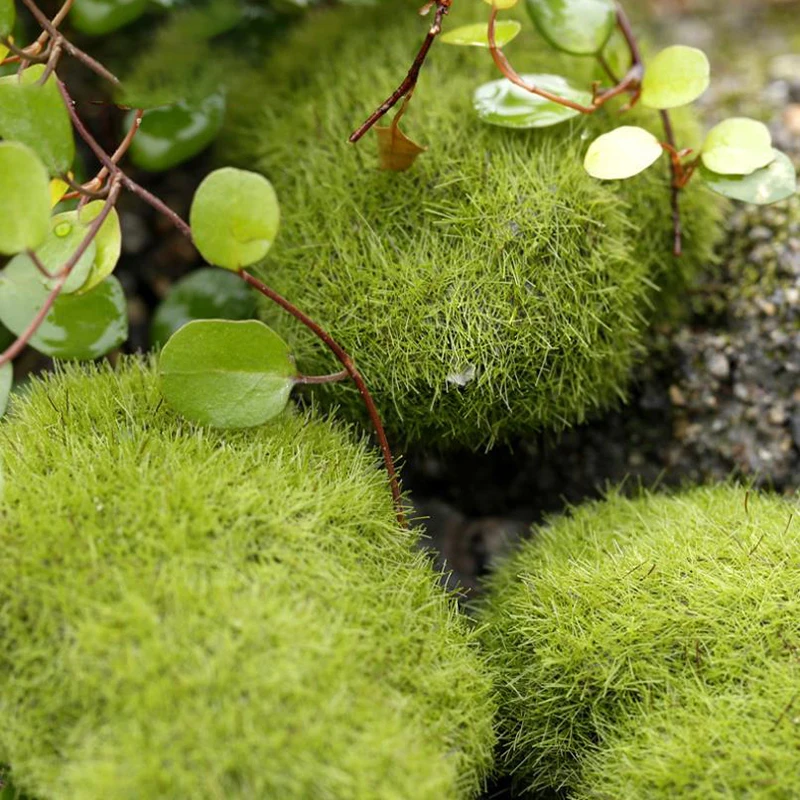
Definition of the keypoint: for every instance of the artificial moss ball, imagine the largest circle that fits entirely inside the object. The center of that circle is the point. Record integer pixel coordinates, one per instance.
(196, 614)
(647, 648)
(492, 290)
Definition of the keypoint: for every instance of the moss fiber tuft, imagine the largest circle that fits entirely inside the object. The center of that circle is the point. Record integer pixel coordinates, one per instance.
(196, 614)
(492, 290)
(647, 648)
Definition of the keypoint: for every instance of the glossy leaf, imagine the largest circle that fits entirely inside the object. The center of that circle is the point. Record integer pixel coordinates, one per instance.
(173, 134)
(621, 153)
(65, 237)
(772, 183)
(501, 4)
(108, 241)
(227, 374)
(738, 146)
(580, 27)
(234, 218)
(204, 294)
(7, 17)
(24, 199)
(478, 35)
(98, 17)
(36, 116)
(676, 77)
(82, 327)
(504, 103)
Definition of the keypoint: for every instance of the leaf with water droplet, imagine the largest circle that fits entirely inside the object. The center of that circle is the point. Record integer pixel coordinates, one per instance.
(227, 374)
(580, 27)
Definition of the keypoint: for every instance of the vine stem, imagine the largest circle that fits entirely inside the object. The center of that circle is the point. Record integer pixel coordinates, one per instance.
(408, 84)
(118, 175)
(675, 203)
(352, 371)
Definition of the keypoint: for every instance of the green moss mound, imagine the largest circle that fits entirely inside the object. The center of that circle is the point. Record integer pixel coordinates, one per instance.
(190, 613)
(623, 633)
(492, 290)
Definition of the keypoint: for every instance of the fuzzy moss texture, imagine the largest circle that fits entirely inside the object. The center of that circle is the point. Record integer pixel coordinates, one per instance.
(495, 288)
(648, 648)
(198, 614)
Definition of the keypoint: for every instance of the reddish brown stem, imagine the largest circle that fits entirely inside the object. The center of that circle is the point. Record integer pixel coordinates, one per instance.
(22, 340)
(677, 243)
(347, 363)
(410, 81)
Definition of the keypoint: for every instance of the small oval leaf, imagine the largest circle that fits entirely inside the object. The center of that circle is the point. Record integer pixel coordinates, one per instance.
(227, 374)
(502, 5)
(108, 242)
(505, 104)
(234, 217)
(6, 380)
(580, 27)
(207, 293)
(82, 327)
(478, 35)
(772, 183)
(7, 17)
(738, 146)
(621, 153)
(676, 77)
(36, 116)
(24, 199)
(99, 17)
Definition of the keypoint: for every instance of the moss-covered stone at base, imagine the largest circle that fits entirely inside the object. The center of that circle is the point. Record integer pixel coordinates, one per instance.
(495, 288)
(643, 647)
(189, 613)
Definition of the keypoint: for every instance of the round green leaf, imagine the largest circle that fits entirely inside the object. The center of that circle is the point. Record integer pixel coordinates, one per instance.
(63, 241)
(24, 199)
(621, 153)
(505, 104)
(36, 116)
(772, 183)
(478, 35)
(7, 17)
(170, 135)
(6, 379)
(738, 146)
(98, 17)
(204, 294)
(580, 27)
(82, 327)
(675, 77)
(234, 218)
(108, 241)
(227, 374)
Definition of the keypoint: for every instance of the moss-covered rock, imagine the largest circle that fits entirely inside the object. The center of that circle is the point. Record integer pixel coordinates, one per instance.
(632, 632)
(190, 613)
(492, 290)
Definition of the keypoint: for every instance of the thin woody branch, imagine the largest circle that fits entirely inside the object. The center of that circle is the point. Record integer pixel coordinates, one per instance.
(406, 88)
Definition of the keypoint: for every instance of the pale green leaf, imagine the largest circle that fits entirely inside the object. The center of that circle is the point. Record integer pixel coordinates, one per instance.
(234, 218)
(36, 116)
(6, 380)
(108, 241)
(227, 374)
(621, 153)
(478, 35)
(675, 77)
(738, 146)
(65, 237)
(24, 199)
